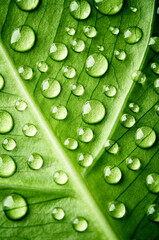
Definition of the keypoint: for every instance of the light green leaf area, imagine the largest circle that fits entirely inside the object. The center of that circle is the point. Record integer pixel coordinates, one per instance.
(47, 174)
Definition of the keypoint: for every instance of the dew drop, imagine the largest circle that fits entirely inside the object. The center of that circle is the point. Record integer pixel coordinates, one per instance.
(69, 72)
(114, 30)
(15, 207)
(29, 130)
(145, 137)
(60, 177)
(93, 112)
(20, 105)
(6, 122)
(51, 88)
(35, 161)
(58, 51)
(108, 7)
(155, 68)
(100, 48)
(127, 120)
(90, 31)
(133, 163)
(77, 89)
(96, 65)
(152, 182)
(7, 166)
(111, 147)
(112, 174)
(133, 35)
(71, 144)
(156, 85)
(1, 82)
(120, 55)
(58, 213)
(116, 209)
(134, 107)
(153, 212)
(80, 10)
(154, 44)
(70, 31)
(157, 109)
(78, 45)
(22, 39)
(9, 144)
(26, 72)
(85, 134)
(59, 112)
(85, 159)
(110, 90)
(133, 9)
(27, 5)
(42, 66)
(139, 77)
(80, 224)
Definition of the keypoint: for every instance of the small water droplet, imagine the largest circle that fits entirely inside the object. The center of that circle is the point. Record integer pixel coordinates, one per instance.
(134, 107)
(80, 10)
(7, 166)
(157, 109)
(42, 66)
(70, 31)
(85, 159)
(71, 144)
(133, 9)
(154, 44)
(133, 35)
(22, 39)
(77, 89)
(114, 30)
(156, 85)
(90, 31)
(111, 147)
(26, 72)
(58, 51)
(155, 68)
(96, 65)
(80, 224)
(1, 82)
(6, 122)
(100, 48)
(93, 112)
(29, 130)
(9, 144)
(110, 90)
(85, 134)
(51, 88)
(139, 77)
(120, 55)
(116, 209)
(20, 105)
(108, 7)
(78, 45)
(145, 137)
(60, 177)
(58, 213)
(133, 163)
(153, 212)
(35, 161)
(127, 120)
(112, 174)
(59, 112)
(152, 182)
(15, 207)
(69, 72)
(27, 5)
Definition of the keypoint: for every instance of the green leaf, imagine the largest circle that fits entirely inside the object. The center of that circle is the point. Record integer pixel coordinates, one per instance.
(52, 145)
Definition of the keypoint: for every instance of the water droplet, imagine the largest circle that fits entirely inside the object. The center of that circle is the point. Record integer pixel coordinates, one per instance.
(100, 48)
(85, 134)
(60, 177)
(145, 137)
(116, 209)
(1, 82)
(7, 166)
(22, 39)
(139, 77)
(78, 45)
(71, 144)
(27, 5)
(85, 159)
(59, 112)
(69, 72)
(134, 107)
(6, 122)
(29, 130)
(20, 105)
(70, 31)
(58, 51)
(110, 90)
(155, 68)
(109, 7)
(133, 35)
(80, 9)
(154, 44)
(90, 31)
(51, 88)
(114, 30)
(93, 112)
(153, 212)
(112, 174)
(35, 161)
(15, 207)
(42, 66)
(156, 85)
(133, 9)
(157, 109)
(77, 89)
(26, 72)
(9, 144)
(96, 65)
(127, 120)
(80, 224)
(58, 213)
(111, 147)
(152, 182)
(120, 55)
(133, 163)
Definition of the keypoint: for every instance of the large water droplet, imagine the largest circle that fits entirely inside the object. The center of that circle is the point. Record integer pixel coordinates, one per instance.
(110, 90)
(29, 130)
(154, 44)
(15, 207)
(156, 85)
(112, 174)
(51, 88)
(111, 147)
(120, 55)
(59, 112)
(93, 112)
(77, 89)
(60, 177)
(78, 45)
(133, 35)
(153, 212)
(114, 30)
(80, 9)
(96, 65)
(69, 72)
(71, 143)
(85, 134)
(139, 77)
(20, 105)
(6, 122)
(133, 163)
(70, 31)
(80, 224)
(85, 159)
(9, 144)
(155, 68)
(116, 209)
(109, 7)
(22, 39)
(90, 31)
(7, 166)
(134, 107)
(42, 66)
(145, 137)
(58, 213)
(26, 72)
(127, 120)
(152, 182)
(58, 51)
(35, 161)
(1, 82)
(27, 5)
